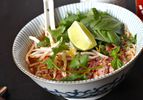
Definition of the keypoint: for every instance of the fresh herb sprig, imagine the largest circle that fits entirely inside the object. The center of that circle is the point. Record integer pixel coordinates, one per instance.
(116, 62)
(44, 43)
(104, 26)
(79, 61)
(50, 64)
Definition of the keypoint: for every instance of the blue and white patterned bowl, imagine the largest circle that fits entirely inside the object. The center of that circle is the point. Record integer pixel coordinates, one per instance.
(87, 89)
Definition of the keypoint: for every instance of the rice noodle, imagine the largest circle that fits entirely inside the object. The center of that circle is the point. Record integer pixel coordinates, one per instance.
(65, 64)
(28, 53)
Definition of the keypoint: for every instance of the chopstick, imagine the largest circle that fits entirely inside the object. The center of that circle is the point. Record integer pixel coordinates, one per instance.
(45, 3)
(49, 4)
(51, 14)
(3, 90)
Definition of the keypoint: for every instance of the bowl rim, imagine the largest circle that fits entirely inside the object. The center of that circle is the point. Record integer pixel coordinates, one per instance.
(32, 76)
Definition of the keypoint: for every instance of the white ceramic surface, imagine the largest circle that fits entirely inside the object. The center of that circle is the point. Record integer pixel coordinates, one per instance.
(86, 89)
(122, 3)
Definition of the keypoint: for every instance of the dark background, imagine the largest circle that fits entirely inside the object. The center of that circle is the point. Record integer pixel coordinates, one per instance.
(14, 14)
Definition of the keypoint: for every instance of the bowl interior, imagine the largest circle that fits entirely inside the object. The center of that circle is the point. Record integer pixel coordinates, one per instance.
(36, 28)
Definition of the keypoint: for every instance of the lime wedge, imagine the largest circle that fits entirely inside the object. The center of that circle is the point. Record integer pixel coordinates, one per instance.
(81, 37)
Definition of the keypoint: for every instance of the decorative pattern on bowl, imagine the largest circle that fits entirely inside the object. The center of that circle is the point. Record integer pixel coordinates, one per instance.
(89, 93)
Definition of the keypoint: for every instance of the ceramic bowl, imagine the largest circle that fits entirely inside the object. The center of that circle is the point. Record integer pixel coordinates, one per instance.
(90, 89)
(122, 3)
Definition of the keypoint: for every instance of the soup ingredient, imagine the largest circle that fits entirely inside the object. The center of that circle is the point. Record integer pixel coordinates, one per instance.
(79, 61)
(116, 62)
(105, 27)
(81, 37)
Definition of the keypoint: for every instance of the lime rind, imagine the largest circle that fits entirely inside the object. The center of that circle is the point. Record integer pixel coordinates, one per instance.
(81, 37)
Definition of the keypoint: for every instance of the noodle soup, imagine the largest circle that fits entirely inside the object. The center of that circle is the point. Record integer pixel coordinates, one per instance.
(65, 60)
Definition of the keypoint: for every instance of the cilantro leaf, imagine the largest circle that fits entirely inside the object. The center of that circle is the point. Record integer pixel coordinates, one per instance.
(58, 32)
(75, 62)
(44, 43)
(62, 46)
(50, 64)
(79, 61)
(133, 39)
(115, 51)
(83, 60)
(116, 63)
(67, 21)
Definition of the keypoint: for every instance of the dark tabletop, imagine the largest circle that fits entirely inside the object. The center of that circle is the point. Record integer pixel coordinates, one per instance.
(14, 14)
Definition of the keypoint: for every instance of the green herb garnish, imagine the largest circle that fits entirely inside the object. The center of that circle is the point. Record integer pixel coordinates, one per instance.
(58, 32)
(61, 47)
(44, 43)
(50, 64)
(116, 62)
(79, 61)
(103, 26)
